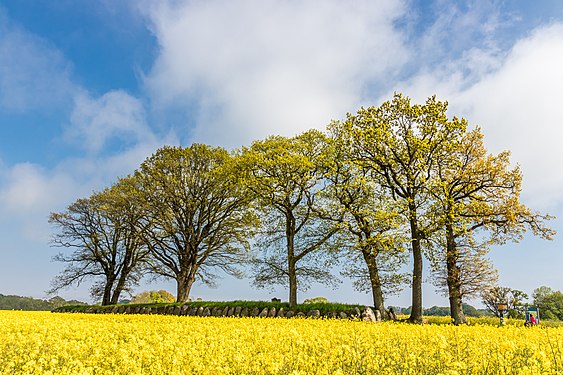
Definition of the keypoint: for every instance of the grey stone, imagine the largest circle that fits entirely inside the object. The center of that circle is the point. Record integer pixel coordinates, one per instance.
(368, 315)
(200, 311)
(149, 310)
(378, 317)
(355, 312)
(177, 310)
(300, 315)
(281, 313)
(244, 312)
(230, 311)
(272, 312)
(254, 312)
(121, 309)
(263, 313)
(214, 311)
(206, 312)
(289, 314)
(237, 311)
(184, 309)
(343, 315)
(314, 314)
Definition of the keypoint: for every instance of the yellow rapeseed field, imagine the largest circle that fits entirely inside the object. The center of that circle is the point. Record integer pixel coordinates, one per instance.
(45, 343)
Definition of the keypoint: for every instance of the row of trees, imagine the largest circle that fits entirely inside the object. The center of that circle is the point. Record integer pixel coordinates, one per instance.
(12, 302)
(379, 185)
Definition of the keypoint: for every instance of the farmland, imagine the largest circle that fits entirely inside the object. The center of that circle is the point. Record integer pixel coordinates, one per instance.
(45, 343)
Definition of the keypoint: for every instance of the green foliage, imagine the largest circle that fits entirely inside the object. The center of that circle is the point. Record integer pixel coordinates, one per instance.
(550, 303)
(153, 296)
(284, 176)
(316, 300)
(468, 310)
(12, 302)
(197, 214)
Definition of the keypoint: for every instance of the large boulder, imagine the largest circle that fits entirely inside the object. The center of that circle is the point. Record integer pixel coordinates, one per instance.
(314, 314)
(254, 312)
(368, 315)
(355, 313)
(272, 312)
(263, 313)
(238, 309)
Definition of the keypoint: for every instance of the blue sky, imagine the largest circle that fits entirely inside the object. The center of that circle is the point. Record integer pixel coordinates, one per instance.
(90, 89)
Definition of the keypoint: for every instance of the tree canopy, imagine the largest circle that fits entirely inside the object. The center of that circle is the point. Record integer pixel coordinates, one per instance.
(378, 182)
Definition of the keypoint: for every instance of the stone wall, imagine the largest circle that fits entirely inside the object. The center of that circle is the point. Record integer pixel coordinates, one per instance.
(186, 310)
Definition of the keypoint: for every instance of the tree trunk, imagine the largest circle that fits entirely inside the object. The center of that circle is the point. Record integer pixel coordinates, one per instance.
(119, 288)
(292, 273)
(375, 281)
(416, 312)
(184, 285)
(291, 261)
(453, 279)
(106, 298)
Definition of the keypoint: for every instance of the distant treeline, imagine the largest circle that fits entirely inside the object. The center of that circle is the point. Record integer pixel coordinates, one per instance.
(34, 304)
(468, 310)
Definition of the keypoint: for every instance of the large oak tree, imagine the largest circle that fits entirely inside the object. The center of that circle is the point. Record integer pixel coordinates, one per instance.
(400, 143)
(197, 214)
(103, 233)
(284, 176)
(370, 227)
(477, 203)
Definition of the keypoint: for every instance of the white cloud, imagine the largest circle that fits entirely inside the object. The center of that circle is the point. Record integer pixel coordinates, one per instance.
(519, 108)
(114, 115)
(33, 74)
(29, 193)
(515, 97)
(256, 68)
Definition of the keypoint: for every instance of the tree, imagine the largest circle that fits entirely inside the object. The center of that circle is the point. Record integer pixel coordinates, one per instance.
(549, 301)
(153, 296)
(370, 225)
(400, 144)
(513, 298)
(316, 300)
(463, 274)
(103, 232)
(284, 176)
(197, 214)
(476, 195)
